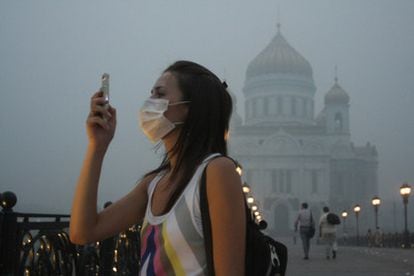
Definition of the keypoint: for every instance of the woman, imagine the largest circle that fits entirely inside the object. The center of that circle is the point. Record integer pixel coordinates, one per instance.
(189, 110)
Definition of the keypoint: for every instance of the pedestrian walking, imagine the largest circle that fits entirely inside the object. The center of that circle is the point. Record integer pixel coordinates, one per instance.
(188, 110)
(327, 233)
(306, 225)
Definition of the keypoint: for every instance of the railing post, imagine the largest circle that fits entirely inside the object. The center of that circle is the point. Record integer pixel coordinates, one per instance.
(106, 253)
(106, 256)
(9, 255)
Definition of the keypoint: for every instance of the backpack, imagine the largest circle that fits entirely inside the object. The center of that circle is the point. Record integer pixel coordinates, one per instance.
(264, 256)
(333, 219)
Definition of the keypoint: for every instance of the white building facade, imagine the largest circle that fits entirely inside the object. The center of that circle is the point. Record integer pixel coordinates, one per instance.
(288, 154)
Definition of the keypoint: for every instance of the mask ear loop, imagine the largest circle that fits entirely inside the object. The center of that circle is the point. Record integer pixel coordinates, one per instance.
(177, 103)
(158, 146)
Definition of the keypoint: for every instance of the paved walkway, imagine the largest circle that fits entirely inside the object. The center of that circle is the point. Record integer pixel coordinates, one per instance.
(355, 261)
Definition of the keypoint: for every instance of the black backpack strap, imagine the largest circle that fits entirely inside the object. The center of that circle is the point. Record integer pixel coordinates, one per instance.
(205, 218)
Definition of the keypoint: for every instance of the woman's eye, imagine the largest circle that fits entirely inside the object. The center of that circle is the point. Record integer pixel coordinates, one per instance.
(157, 93)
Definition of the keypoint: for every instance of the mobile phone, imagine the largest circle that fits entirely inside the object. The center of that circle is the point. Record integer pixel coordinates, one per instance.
(105, 88)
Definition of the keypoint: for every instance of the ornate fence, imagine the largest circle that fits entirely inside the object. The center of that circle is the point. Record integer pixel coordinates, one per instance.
(391, 240)
(38, 244)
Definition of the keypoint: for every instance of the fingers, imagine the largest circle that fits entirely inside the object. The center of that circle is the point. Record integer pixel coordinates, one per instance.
(97, 95)
(96, 120)
(102, 111)
(112, 111)
(99, 106)
(102, 116)
(112, 119)
(98, 99)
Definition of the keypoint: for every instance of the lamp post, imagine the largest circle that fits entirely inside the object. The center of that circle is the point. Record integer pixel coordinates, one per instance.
(405, 191)
(357, 209)
(376, 201)
(344, 216)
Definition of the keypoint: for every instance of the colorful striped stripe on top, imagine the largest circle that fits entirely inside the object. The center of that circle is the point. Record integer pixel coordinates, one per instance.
(172, 244)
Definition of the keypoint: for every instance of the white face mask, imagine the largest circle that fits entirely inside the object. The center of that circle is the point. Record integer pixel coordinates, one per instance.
(152, 120)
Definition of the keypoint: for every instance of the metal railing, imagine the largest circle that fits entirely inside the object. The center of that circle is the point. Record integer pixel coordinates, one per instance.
(38, 244)
(388, 240)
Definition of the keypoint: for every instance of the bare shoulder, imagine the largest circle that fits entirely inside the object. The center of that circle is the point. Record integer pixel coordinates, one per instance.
(147, 180)
(222, 175)
(222, 165)
(227, 214)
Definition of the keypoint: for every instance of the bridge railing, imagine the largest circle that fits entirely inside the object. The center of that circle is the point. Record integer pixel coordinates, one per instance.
(388, 240)
(38, 244)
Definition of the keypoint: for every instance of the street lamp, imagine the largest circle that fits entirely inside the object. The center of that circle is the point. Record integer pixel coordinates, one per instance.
(405, 191)
(344, 216)
(246, 188)
(357, 209)
(376, 201)
(239, 169)
(250, 200)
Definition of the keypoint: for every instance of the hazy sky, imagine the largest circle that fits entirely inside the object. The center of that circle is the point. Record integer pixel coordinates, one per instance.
(52, 54)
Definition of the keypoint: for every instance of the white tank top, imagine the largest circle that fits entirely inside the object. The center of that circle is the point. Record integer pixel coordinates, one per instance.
(173, 244)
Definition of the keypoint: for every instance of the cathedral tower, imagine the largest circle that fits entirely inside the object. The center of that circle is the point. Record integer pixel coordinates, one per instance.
(279, 87)
(337, 110)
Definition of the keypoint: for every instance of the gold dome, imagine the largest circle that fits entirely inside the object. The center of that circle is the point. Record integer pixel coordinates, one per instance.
(336, 94)
(279, 58)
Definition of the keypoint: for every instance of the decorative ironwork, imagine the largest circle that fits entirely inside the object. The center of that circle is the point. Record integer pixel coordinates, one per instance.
(46, 254)
(39, 244)
(127, 248)
(391, 240)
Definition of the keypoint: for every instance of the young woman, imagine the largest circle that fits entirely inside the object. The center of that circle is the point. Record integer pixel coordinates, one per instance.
(189, 111)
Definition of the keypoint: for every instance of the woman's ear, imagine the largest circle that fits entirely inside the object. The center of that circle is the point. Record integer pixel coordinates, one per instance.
(184, 111)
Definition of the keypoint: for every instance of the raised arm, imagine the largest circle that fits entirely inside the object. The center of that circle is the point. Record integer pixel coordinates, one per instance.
(86, 225)
(228, 219)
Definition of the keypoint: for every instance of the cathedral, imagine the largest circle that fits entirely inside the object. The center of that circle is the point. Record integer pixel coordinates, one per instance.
(288, 154)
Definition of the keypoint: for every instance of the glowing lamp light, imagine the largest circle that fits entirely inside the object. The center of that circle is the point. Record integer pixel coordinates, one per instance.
(376, 201)
(239, 170)
(405, 189)
(246, 189)
(250, 200)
